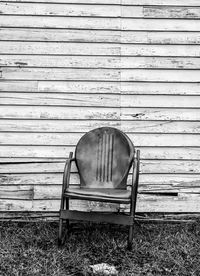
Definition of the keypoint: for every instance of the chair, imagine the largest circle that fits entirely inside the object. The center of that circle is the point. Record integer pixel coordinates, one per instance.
(103, 157)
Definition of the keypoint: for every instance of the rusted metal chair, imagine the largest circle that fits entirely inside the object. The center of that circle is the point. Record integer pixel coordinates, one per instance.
(103, 157)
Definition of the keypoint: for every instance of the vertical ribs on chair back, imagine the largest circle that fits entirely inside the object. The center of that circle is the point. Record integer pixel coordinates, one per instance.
(103, 158)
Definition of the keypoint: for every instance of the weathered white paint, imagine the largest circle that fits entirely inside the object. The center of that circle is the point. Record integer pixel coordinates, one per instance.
(106, 36)
(67, 67)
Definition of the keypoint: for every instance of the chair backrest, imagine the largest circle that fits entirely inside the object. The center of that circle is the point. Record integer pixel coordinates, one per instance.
(103, 157)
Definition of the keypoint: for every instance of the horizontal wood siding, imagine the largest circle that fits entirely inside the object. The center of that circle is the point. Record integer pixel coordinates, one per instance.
(67, 67)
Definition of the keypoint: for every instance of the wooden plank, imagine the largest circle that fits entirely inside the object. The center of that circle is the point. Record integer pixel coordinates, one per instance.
(87, 10)
(160, 88)
(140, 24)
(101, 87)
(180, 114)
(117, 2)
(61, 113)
(54, 125)
(51, 48)
(104, 100)
(31, 179)
(14, 152)
(66, 61)
(17, 192)
(182, 203)
(66, 35)
(93, 10)
(27, 152)
(62, 10)
(165, 127)
(175, 180)
(154, 2)
(169, 166)
(160, 62)
(24, 216)
(102, 49)
(160, 37)
(98, 10)
(66, 126)
(99, 2)
(25, 160)
(28, 216)
(35, 167)
(15, 205)
(167, 190)
(40, 138)
(27, 86)
(159, 75)
(165, 140)
(62, 139)
(60, 86)
(147, 167)
(95, 23)
(54, 99)
(100, 62)
(138, 75)
(171, 12)
(159, 50)
(59, 35)
(171, 101)
(60, 74)
(147, 181)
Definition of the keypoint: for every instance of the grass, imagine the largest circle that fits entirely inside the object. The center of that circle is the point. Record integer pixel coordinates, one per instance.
(158, 249)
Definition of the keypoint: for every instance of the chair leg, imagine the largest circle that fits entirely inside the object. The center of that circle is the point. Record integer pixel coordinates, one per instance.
(130, 235)
(60, 233)
(130, 238)
(63, 227)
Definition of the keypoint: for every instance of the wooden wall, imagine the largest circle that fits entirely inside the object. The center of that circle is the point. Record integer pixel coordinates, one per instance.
(68, 66)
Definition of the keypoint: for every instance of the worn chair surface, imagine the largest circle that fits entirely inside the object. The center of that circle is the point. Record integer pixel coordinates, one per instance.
(103, 158)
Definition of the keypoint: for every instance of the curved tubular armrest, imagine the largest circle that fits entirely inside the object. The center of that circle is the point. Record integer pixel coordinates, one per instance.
(67, 169)
(135, 180)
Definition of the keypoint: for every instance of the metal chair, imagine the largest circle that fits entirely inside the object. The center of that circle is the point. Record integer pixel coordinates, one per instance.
(103, 157)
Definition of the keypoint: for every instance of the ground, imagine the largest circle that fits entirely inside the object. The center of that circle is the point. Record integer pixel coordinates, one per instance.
(158, 249)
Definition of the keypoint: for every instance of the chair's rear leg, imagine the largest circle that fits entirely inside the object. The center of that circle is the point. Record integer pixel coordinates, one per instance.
(130, 237)
(135, 181)
(130, 234)
(131, 227)
(67, 220)
(60, 234)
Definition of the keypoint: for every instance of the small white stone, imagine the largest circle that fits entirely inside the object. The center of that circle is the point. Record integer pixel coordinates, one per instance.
(104, 269)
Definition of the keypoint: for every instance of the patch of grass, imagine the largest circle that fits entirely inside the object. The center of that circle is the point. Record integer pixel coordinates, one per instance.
(158, 249)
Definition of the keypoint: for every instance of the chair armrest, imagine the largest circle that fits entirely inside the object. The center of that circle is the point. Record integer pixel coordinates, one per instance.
(67, 169)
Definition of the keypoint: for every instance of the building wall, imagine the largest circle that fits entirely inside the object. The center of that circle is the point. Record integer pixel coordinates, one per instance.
(70, 66)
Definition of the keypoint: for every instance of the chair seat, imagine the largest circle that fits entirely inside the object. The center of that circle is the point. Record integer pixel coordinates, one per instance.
(101, 194)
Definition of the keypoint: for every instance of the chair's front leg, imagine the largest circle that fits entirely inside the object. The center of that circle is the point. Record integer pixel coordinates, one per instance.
(64, 205)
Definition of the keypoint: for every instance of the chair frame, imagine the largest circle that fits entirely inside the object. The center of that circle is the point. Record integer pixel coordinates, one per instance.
(66, 214)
